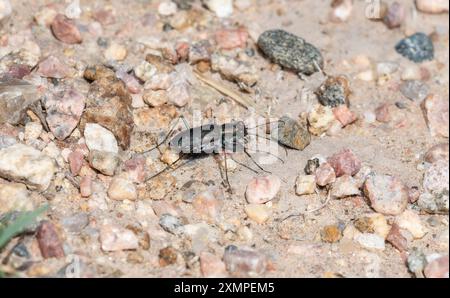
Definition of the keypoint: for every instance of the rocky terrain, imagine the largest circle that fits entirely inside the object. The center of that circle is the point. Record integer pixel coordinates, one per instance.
(356, 93)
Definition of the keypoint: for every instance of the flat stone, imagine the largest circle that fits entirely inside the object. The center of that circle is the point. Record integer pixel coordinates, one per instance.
(27, 165)
(345, 186)
(49, 241)
(290, 51)
(51, 67)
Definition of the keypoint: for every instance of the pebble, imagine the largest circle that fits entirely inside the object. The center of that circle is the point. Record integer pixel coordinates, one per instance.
(75, 223)
(417, 261)
(345, 162)
(437, 115)
(76, 161)
(121, 189)
(415, 90)
(65, 30)
(135, 169)
(229, 39)
(437, 152)
(259, 213)
(320, 119)
(341, 10)
(383, 113)
(168, 256)
(209, 203)
(343, 114)
(387, 194)
(331, 234)
(171, 224)
(234, 69)
(244, 262)
(438, 268)
(432, 6)
(396, 239)
(395, 15)
(436, 178)
(312, 165)
(104, 162)
(86, 186)
(334, 91)
(374, 223)
(179, 92)
(14, 197)
(305, 185)
(167, 8)
(291, 51)
(32, 130)
(73, 10)
(262, 189)
(115, 52)
(200, 51)
(27, 165)
(144, 71)
(417, 48)
(325, 175)
(293, 134)
(49, 241)
(411, 222)
(434, 204)
(222, 8)
(15, 97)
(51, 67)
(345, 186)
(212, 266)
(99, 138)
(116, 238)
(64, 112)
(370, 241)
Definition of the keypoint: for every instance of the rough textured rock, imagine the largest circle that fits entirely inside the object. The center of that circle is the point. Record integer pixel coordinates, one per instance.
(109, 104)
(121, 189)
(325, 175)
(65, 30)
(437, 152)
(15, 97)
(387, 194)
(411, 222)
(290, 51)
(438, 268)
(334, 91)
(259, 213)
(305, 185)
(25, 164)
(417, 48)
(345, 186)
(320, 119)
(415, 90)
(64, 112)
(49, 241)
(293, 134)
(345, 162)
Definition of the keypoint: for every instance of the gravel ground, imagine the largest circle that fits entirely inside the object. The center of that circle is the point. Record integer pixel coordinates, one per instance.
(360, 188)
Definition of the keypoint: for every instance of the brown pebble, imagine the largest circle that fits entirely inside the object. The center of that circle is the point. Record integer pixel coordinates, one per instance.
(49, 242)
(331, 234)
(167, 256)
(397, 239)
(65, 30)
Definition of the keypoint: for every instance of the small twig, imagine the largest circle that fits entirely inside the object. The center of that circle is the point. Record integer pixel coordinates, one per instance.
(310, 211)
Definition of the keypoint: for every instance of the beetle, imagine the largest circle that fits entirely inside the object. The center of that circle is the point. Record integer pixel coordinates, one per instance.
(211, 139)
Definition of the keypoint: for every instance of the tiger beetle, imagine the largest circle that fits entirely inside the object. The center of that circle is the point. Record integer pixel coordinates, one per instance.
(212, 139)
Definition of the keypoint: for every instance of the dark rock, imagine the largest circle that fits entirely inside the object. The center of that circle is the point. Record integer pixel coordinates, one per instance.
(311, 166)
(291, 51)
(418, 48)
(334, 91)
(15, 97)
(293, 134)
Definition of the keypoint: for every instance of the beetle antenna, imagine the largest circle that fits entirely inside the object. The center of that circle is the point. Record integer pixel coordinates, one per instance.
(253, 160)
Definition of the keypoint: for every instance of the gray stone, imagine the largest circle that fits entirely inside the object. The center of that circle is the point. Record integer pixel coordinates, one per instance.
(293, 134)
(415, 90)
(417, 48)
(15, 97)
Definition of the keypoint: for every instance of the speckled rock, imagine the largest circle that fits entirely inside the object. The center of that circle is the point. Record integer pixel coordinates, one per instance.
(320, 119)
(171, 224)
(290, 51)
(305, 185)
(25, 164)
(115, 238)
(417, 48)
(415, 90)
(64, 112)
(263, 189)
(293, 134)
(105, 162)
(387, 194)
(15, 97)
(334, 91)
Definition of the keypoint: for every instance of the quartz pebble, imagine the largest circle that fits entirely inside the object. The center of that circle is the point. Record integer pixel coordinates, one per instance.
(73, 10)
(105, 162)
(341, 10)
(121, 189)
(167, 8)
(415, 90)
(371, 241)
(411, 222)
(222, 8)
(65, 30)
(345, 162)
(115, 52)
(27, 165)
(387, 194)
(116, 238)
(259, 213)
(262, 189)
(417, 48)
(244, 262)
(100, 139)
(212, 266)
(49, 241)
(417, 261)
(305, 185)
(325, 175)
(290, 51)
(437, 115)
